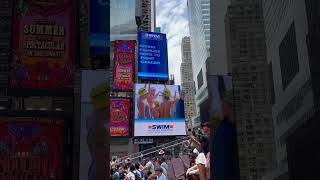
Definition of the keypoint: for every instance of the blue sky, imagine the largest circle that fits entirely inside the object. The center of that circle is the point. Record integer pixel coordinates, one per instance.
(172, 17)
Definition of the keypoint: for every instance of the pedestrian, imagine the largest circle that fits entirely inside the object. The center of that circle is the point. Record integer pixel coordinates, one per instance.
(164, 166)
(138, 171)
(131, 175)
(150, 165)
(159, 174)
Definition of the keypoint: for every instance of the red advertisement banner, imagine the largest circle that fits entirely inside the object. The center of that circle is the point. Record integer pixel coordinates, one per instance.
(31, 150)
(43, 45)
(124, 55)
(120, 115)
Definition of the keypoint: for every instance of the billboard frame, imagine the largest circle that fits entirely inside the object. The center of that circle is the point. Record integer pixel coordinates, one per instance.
(66, 118)
(61, 92)
(130, 126)
(134, 73)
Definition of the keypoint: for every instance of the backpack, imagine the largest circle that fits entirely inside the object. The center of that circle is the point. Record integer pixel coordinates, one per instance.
(137, 176)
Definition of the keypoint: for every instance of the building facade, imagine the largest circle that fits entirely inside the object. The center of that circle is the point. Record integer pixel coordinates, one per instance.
(187, 81)
(249, 69)
(199, 51)
(293, 70)
(205, 11)
(146, 15)
(218, 52)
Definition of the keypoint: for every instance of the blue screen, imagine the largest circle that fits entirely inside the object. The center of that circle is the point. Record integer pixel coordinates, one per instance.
(99, 27)
(152, 56)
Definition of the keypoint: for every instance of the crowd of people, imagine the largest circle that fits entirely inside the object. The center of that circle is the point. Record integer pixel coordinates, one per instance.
(147, 169)
(156, 168)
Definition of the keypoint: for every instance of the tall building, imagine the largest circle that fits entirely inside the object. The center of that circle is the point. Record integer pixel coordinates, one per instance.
(205, 11)
(292, 40)
(218, 51)
(146, 15)
(187, 81)
(199, 53)
(253, 109)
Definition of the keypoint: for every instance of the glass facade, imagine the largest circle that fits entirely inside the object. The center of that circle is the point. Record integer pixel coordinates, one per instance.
(199, 51)
(122, 20)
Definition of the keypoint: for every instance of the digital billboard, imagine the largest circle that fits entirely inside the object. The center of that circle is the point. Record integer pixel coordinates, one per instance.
(122, 20)
(99, 27)
(120, 116)
(124, 55)
(43, 45)
(31, 149)
(94, 130)
(159, 110)
(152, 56)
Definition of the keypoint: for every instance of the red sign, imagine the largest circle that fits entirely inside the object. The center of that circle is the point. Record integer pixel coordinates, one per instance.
(31, 150)
(124, 55)
(120, 116)
(43, 44)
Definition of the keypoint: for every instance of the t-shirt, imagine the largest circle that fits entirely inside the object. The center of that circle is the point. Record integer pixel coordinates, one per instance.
(162, 177)
(164, 167)
(150, 166)
(131, 176)
(201, 159)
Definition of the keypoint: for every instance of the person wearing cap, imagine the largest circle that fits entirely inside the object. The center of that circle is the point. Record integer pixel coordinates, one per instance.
(143, 106)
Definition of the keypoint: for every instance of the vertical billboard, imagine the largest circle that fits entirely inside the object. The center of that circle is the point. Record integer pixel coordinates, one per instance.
(159, 110)
(219, 111)
(124, 55)
(152, 56)
(94, 130)
(122, 20)
(43, 45)
(31, 149)
(120, 116)
(99, 27)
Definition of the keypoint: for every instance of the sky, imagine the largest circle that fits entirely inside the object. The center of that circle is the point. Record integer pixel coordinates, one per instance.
(172, 17)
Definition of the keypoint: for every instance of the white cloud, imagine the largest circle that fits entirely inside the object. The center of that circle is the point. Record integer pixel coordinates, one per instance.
(171, 17)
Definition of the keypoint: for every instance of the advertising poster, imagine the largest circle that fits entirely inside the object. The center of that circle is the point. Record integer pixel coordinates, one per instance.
(31, 149)
(123, 75)
(43, 45)
(122, 20)
(94, 125)
(152, 56)
(159, 110)
(99, 27)
(224, 143)
(120, 115)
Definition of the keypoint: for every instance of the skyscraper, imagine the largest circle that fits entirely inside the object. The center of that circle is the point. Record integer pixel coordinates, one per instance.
(294, 79)
(199, 50)
(146, 15)
(205, 11)
(253, 109)
(187, 81)
(218, 52)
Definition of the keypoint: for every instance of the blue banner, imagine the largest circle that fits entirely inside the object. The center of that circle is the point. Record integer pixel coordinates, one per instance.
(99, 27)
(152, 56)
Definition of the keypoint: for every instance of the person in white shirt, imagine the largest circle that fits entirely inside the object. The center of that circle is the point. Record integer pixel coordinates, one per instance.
(130, 175)
(201, 163)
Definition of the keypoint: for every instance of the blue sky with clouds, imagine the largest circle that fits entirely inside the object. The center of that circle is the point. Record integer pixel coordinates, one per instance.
(172, 17)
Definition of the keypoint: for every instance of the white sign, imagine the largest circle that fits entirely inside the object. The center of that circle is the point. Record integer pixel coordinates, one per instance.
(160, 127)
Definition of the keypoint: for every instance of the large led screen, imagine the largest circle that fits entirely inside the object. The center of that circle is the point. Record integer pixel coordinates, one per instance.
(152, 56)
(94, 130)
(124, 55)
(120, 115)
(159, 110)
(99, 27)
(43, 45)
(31, 149)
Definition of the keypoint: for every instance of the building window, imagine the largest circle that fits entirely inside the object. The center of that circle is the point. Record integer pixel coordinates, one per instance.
(200, 79)
(288, 53)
